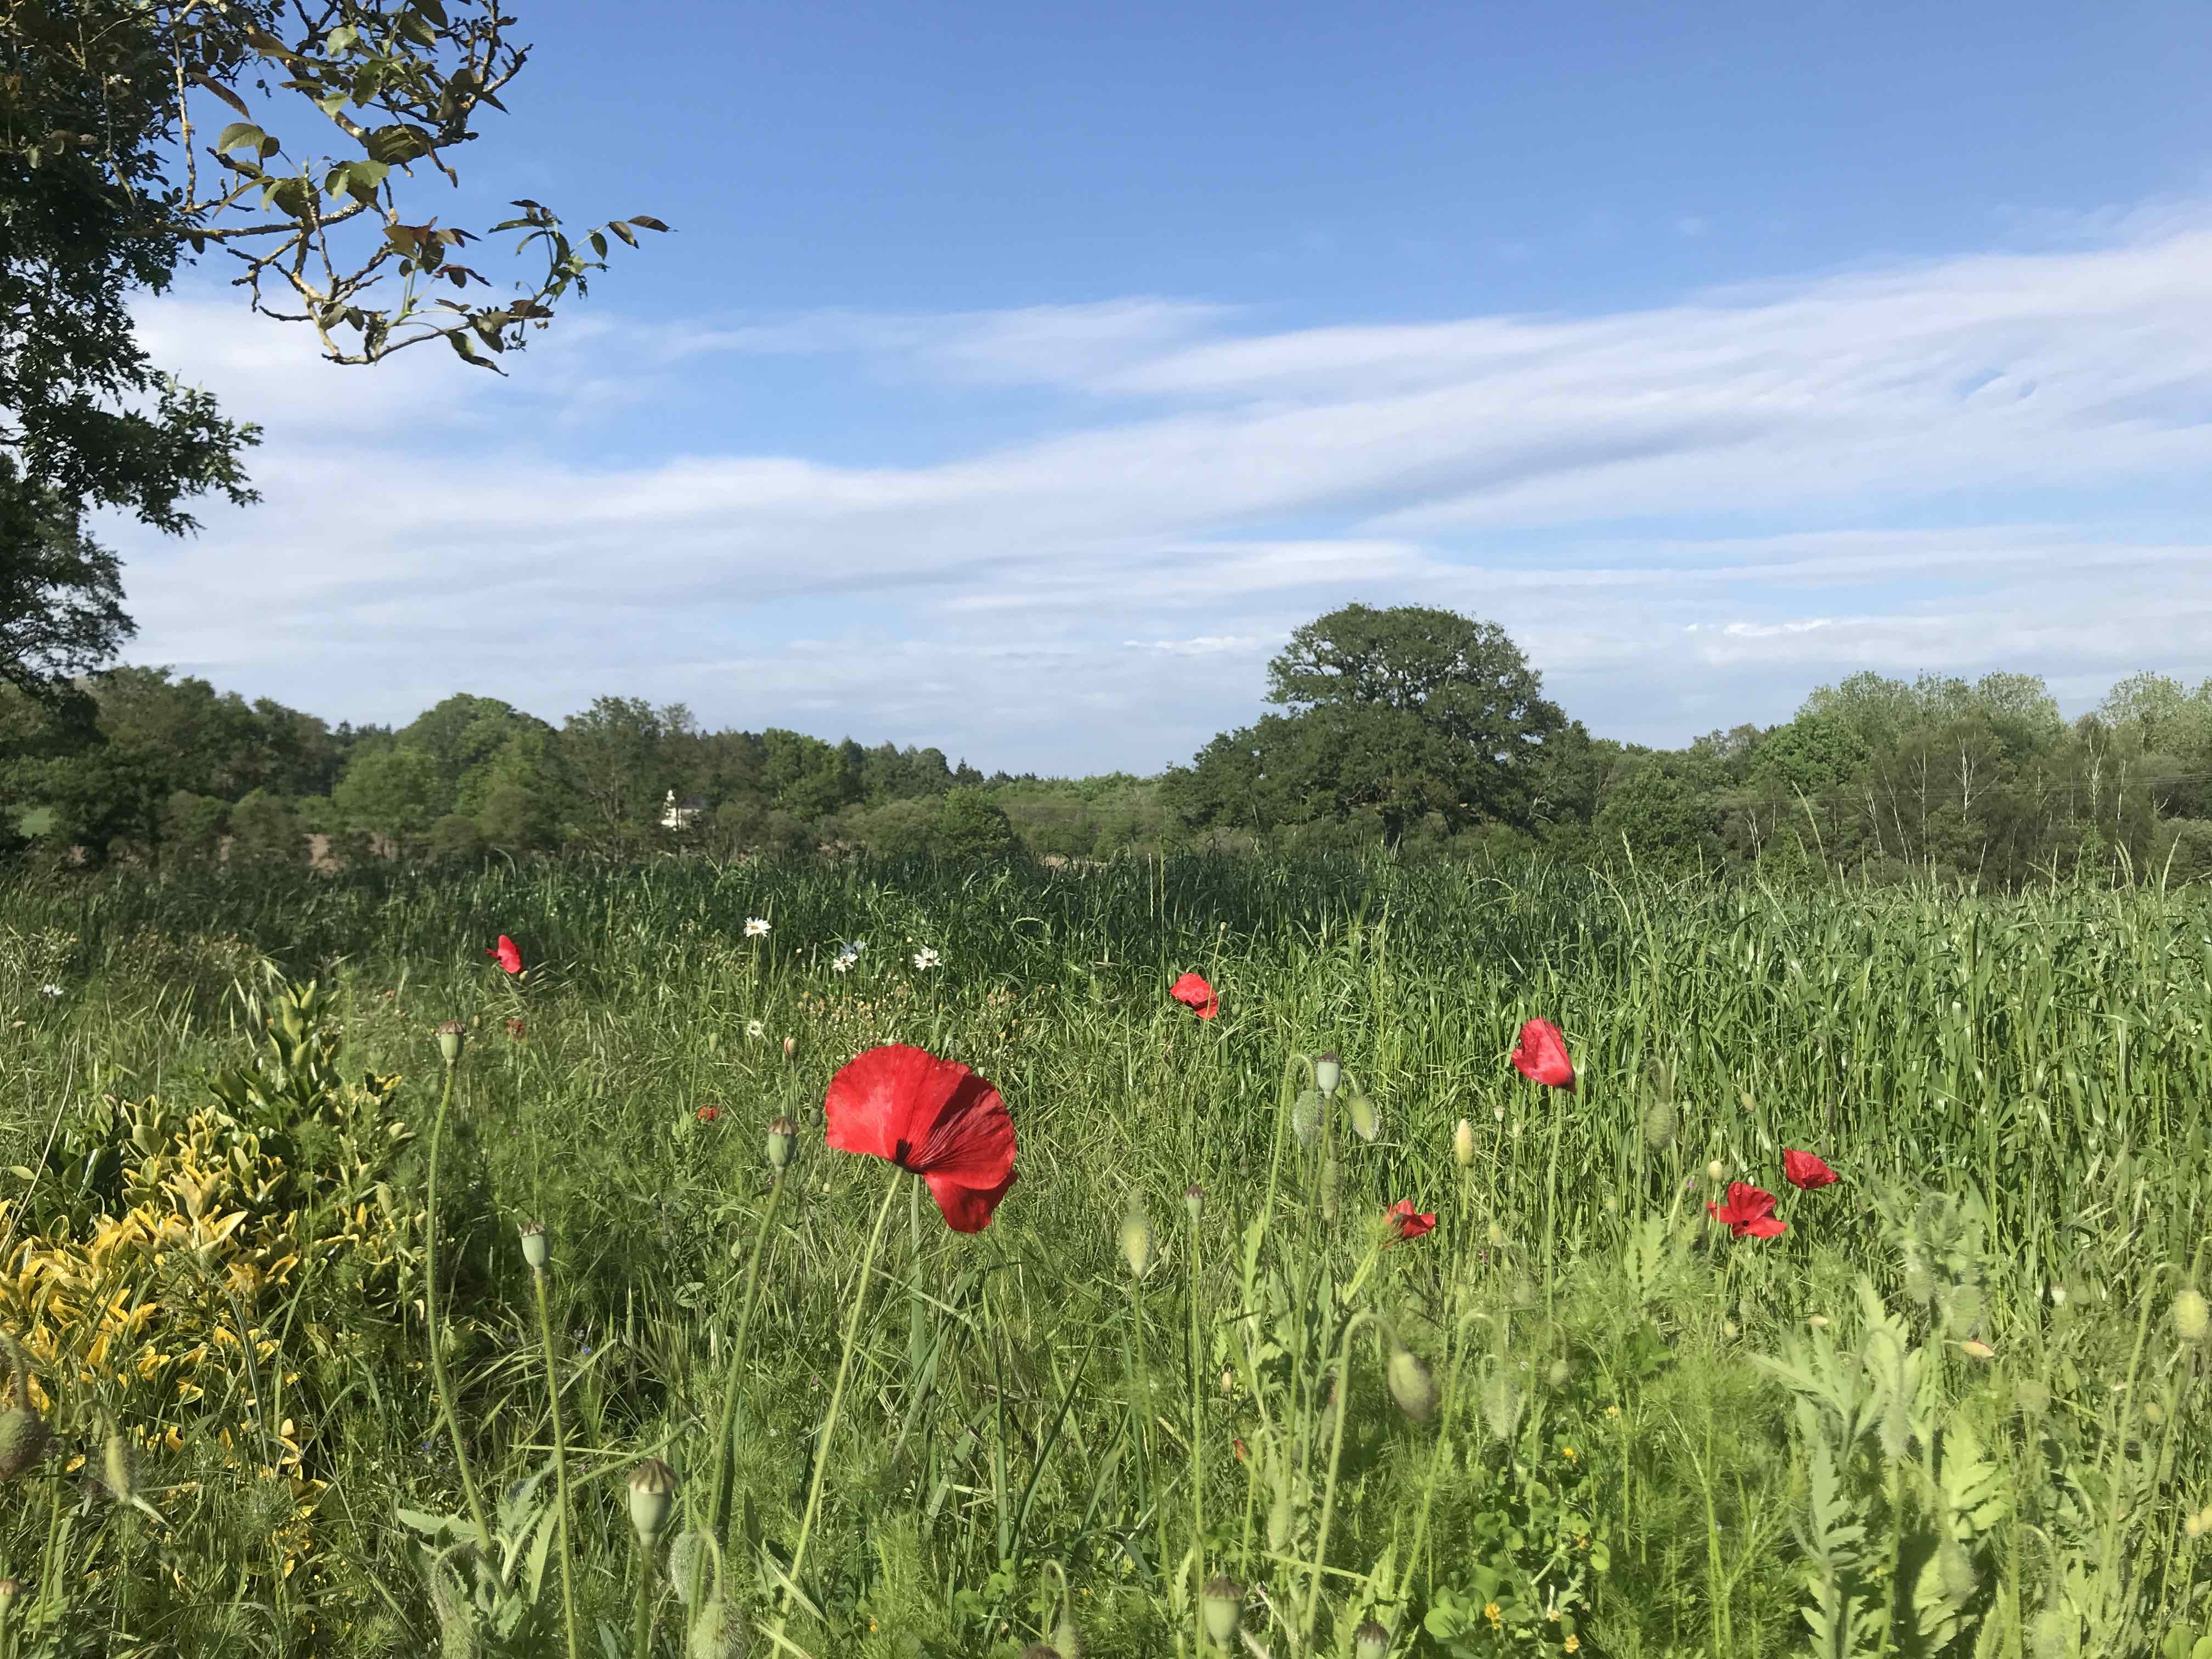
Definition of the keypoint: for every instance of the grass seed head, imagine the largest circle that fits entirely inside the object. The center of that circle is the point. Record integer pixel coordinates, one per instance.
(651, 1490)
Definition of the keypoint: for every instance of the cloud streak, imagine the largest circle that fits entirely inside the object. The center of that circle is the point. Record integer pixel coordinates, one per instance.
(1721, 502)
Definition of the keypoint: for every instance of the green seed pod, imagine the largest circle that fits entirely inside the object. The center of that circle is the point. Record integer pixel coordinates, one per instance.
(1411, 1385)
(1137, 1243)
(1370, 1641)
(1463, 1145)
(651, 1490)
(1366, 1120)
(781, 1133)
(452, 1037)
(1223, 1602)
(2192, 1319)
(23, 1433)
(1327, 1073)
(536, 1246)
(1305, 1117)
(1194, 1199)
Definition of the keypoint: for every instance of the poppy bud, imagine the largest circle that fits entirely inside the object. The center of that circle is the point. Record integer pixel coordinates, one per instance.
(781, 1131)
(1327, 1073)
(1974, 1348)
(1496, 1237)
(651, 1490)
(1366, 1122)
(1411, 1385)
(1370, 1641)
(1280, 1518)
(535, 1245)
(2204, 1519)
(453, 1036)
(1817, 1322)
(1305, 1117)
(2032, 1397)
(23, 1433)
(1137, 1243)
(1463, 1144)
(687, 1560)
(2192, 1319)
(1224, 1602)
(2194, 1526)
(1727, 1329)
(1716, 1171)
(1066, 1640)
(1919, 1283)
(1228, 1381)
(1660, 1124)
(1561, 1373)
(1038, 1650)
(790, 1047)
(1194, 1199)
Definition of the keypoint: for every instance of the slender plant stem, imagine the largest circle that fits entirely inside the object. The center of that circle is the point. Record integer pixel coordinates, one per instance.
(1197, 1449)
(1328, 1489)
(1145, 1427)
(718, 1499)
(560, 1464)
(430, 1321)
(836, 1398)
(641, 1644)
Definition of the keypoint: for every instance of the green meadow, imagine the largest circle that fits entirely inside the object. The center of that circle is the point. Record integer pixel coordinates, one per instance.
(287, 1380)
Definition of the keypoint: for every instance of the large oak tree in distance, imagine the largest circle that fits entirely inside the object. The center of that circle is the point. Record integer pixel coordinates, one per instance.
(297, 139)
(1395, 714)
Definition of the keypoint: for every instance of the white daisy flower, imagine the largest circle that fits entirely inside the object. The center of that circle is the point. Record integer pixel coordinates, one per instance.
(927, 958)
(50, 990)
(756, 1029)
(843, 964)
(756, 926)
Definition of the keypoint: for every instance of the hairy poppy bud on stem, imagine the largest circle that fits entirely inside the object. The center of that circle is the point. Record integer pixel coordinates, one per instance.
(1224, 1601)
(651, 1490)
(1039, 1651)
(536, 1246)
(1716, 1171)
(1137, 1243)
(1463, 1145)
(782, 1132)
(1370, 1641)
(23, 1432)
(1305, 1117)
(1366, 1120)
(1660, 1124)
(1411, 1385)
(452, 1036)
(790, 1047)
(2192, 1319)
(1327, 1073)
(115, 1471)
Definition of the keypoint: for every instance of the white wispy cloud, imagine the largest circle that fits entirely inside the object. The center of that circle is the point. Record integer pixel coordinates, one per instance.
(1931, 454)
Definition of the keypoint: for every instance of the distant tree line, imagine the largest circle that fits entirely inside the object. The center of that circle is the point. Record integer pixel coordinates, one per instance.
(1412, 730)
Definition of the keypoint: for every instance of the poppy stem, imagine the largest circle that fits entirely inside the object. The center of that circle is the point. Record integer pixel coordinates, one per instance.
(1364, 1316)
(836, 1400)
(1197, 1447)
(430, 1320)
(560, 1464)
(718, 1500)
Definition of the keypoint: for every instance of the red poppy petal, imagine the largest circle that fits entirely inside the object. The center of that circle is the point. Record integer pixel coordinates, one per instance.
(1764, 1226)
(972, 1141)
(1541, 1056)
(1806, 1170)
(967, 1209)
(888, 1096)
(1209, 1008)
(1192, 989)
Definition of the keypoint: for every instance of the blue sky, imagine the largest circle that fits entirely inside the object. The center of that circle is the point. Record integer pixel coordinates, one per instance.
(1016, 377)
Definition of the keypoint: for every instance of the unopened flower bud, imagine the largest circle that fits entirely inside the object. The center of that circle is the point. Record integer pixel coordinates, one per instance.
(1366, 1121)
(115, 1471)
(1716, 1171)
(1327, 1073)
(1137, 1243)
(2194, 1526)
(1463, 1144)
(1228, 1381)
(2031, 1396)
(23, 1433)
(651, 1490)
(1305, 1117)
(1411, 1385)
(782, 1132)
(790, 1047)
(1370, 1641)
(1660, 1122)
(1280, 1519)
(11, 1591)
(1559, 1375)
(1066, 1640)
(2192, 1319)
(536, 1246)
(1975, 1348)
(1817, 1322)
(1194, 1199)
(1496, 1236)
(452, 1036)
(1224, 1603)
(1039, 1651)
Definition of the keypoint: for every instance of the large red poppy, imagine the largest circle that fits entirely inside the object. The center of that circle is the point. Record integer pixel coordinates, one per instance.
(1541, 1056)
(1749, 1212)
(1406, 1222)
(509, 954)
(1806, 1170)
(1192, 989)
(932, 1116)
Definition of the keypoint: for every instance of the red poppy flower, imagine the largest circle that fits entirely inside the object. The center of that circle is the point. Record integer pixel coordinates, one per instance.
(1406, 1222)
(1749, 1212)
(1805, 1170)
(509, 954)
(932, 1116)
(1542, 1056)
(1192, 989)
(709, 1113)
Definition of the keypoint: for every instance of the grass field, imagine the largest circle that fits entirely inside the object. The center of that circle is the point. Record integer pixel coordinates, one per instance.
(1958, 1407)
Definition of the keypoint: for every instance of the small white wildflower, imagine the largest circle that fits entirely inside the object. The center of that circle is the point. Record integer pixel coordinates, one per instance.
(50, 990)
(843, 964)
(756, 926)
(927, 958)
(756, 1029)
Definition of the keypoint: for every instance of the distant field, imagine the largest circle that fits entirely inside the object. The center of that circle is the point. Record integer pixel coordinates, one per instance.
(1958, 1407)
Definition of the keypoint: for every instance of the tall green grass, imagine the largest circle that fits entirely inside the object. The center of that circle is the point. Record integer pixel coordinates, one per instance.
(1994, 1443)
